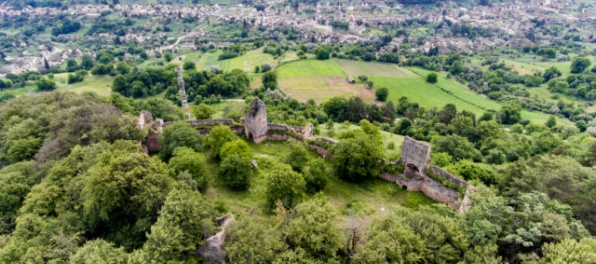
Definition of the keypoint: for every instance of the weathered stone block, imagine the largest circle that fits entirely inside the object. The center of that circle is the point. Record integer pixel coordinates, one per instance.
(416, 153)
(255, 121)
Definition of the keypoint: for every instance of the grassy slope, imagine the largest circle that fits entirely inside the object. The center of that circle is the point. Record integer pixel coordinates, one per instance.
(97, 84)
(417, 90)
(246, 62)
(483, 103)
(370, 199)
(101, 85)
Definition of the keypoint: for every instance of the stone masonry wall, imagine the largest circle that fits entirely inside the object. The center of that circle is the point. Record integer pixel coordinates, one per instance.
(448, 176)
(320, 150)
(207, 122)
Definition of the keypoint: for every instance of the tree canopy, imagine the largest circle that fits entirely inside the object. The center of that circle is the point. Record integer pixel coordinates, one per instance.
(356, 157)
(179, 134)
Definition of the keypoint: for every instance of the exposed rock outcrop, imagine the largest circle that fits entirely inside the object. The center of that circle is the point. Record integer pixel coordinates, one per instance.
(213, 252)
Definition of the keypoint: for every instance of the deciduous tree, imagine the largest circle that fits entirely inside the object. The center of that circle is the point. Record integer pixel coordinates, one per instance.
(285, 185)
(179, 134)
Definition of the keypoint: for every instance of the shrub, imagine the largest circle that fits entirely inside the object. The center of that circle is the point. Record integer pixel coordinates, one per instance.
(236, 171)
(432, 77)
(382, 94)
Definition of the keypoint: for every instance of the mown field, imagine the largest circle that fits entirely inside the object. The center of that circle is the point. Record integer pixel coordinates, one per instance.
(319, 80)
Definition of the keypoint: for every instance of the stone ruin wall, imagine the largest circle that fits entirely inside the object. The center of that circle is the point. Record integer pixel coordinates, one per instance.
(418, 154)
(318, 146)
(255, 127)
(448, 176)
(207, 122)
(281, 132)
(431, 188)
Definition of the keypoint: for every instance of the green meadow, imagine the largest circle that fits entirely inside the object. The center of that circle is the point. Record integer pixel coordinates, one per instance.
(247, 62)
(101, 85)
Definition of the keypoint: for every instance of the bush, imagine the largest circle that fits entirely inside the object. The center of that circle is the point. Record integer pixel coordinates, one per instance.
(189, 65)
(270, 80)
(315, 175)
(265, 67)
(432, 77)
(237, 147)
(217, 138)
(79, 76)
(472, 171)
(236, 171)
(102, 69)
(187, 160)
(284, 185)
(580, 64)
(297, 156)
(227, 55)
(202, 111)
(45, 84)
(322, 52)
(179, 134)
(382, 94)
(391, 145)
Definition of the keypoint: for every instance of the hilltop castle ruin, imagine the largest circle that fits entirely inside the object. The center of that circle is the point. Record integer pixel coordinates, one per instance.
(435, 182)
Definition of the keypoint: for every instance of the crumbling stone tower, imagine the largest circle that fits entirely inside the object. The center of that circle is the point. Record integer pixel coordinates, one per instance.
(255, 121)
(415, 155)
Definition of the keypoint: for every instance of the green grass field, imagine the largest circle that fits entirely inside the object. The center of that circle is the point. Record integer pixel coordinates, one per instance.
(461, 91)
(419, 91)
(246, 62)
(101, 85)
(311, 68)
(527, 66)
(480, 101)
